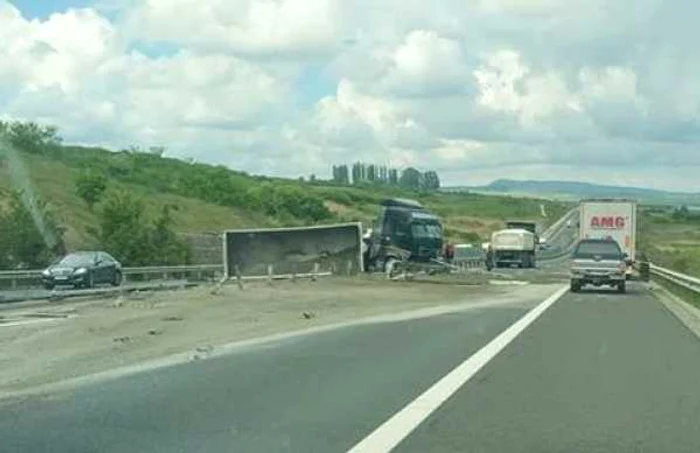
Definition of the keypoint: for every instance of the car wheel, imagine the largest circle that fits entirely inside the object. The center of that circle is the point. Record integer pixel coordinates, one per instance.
(90, 281)
(49, 286)
(117, 279)
(622, 287)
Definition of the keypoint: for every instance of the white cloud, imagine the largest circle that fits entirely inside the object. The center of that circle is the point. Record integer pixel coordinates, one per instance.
(59, 52)
(293, 86)
(250, 27)
(427, 64)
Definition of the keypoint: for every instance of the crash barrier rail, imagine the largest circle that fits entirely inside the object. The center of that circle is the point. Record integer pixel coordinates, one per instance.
(28, 278)
(685, 281)
(549, 255)
(471, 263)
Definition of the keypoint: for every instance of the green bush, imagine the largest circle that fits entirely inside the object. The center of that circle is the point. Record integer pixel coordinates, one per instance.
(31, 236)
(125, 232)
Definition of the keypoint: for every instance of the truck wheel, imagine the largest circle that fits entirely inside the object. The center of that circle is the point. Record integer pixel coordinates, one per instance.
(622, 287)
(391, 266)
(575, 286)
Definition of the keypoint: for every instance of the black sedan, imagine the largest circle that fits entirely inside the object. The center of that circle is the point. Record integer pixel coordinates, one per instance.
(83, 270)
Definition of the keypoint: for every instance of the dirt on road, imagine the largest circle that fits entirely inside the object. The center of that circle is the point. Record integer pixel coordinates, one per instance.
(42, 345)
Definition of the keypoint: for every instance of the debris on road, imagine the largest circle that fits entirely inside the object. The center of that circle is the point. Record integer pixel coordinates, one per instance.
(202, 352)
(102, 338)
(173, 318)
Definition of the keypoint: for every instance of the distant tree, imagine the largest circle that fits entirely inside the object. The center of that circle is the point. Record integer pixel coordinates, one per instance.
(431, 180)
(681, 213)
(31, 236)
(30, 137)
(90, 186)
(410, 179)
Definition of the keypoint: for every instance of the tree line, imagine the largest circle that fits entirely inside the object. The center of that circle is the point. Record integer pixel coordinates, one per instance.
(368, 174)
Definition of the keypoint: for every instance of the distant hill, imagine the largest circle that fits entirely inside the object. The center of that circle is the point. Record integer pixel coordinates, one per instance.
(573, 190)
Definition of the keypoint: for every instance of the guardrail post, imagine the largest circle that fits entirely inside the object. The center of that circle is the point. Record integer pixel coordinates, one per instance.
(349, 268)
(269, 274)
(314, 275)
(14, 283)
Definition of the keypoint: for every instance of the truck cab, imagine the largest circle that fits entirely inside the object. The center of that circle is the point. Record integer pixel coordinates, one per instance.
(404, 230)
(524, 225)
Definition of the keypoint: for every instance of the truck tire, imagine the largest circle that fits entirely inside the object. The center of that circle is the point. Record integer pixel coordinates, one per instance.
(391, 266)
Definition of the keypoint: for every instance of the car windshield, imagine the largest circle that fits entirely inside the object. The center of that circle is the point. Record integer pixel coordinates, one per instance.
(426, 230)
(604, 250)
(77, 259)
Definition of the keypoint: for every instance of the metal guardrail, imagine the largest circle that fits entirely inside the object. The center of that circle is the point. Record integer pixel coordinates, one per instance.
(557, 226)
(165, 272)
(682, 280)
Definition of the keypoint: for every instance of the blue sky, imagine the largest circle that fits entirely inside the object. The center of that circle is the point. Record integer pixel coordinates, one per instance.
(590, 90)
(41, 9)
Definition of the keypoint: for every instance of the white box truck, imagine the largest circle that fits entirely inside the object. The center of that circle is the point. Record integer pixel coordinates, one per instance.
(513, 246)
(611, 219)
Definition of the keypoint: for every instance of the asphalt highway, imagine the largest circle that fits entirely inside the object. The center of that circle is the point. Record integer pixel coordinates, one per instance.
(596, 372)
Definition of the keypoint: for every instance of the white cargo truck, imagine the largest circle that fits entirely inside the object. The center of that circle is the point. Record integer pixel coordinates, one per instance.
(513, 246)
(611, 219)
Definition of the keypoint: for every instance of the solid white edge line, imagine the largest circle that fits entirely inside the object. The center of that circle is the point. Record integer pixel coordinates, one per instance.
(388, 435)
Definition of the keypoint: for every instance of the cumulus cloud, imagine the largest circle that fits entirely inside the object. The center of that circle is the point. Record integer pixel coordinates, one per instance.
(491, 88)
(273, 28)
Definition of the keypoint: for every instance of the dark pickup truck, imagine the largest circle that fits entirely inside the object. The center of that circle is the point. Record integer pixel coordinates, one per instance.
(598, 262)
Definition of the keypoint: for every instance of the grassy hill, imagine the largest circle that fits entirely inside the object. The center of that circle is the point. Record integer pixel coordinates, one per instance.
(209, 199)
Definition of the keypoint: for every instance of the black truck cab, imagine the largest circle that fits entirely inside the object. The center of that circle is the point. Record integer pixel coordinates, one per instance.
(404, 230)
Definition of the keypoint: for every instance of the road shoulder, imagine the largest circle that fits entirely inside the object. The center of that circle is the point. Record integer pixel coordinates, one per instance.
(685, 312)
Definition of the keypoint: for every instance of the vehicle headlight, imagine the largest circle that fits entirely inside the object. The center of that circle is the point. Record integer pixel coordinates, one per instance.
(46, 273)
(80, 271)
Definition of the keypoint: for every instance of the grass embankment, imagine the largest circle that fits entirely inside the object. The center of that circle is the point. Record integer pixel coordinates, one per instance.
(670, 240)
(211, 199)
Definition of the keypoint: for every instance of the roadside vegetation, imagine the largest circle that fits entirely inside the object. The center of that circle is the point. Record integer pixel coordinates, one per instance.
(141, 205)
(670, 236)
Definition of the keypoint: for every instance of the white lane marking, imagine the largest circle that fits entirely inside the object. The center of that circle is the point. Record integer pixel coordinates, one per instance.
(388, 435)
